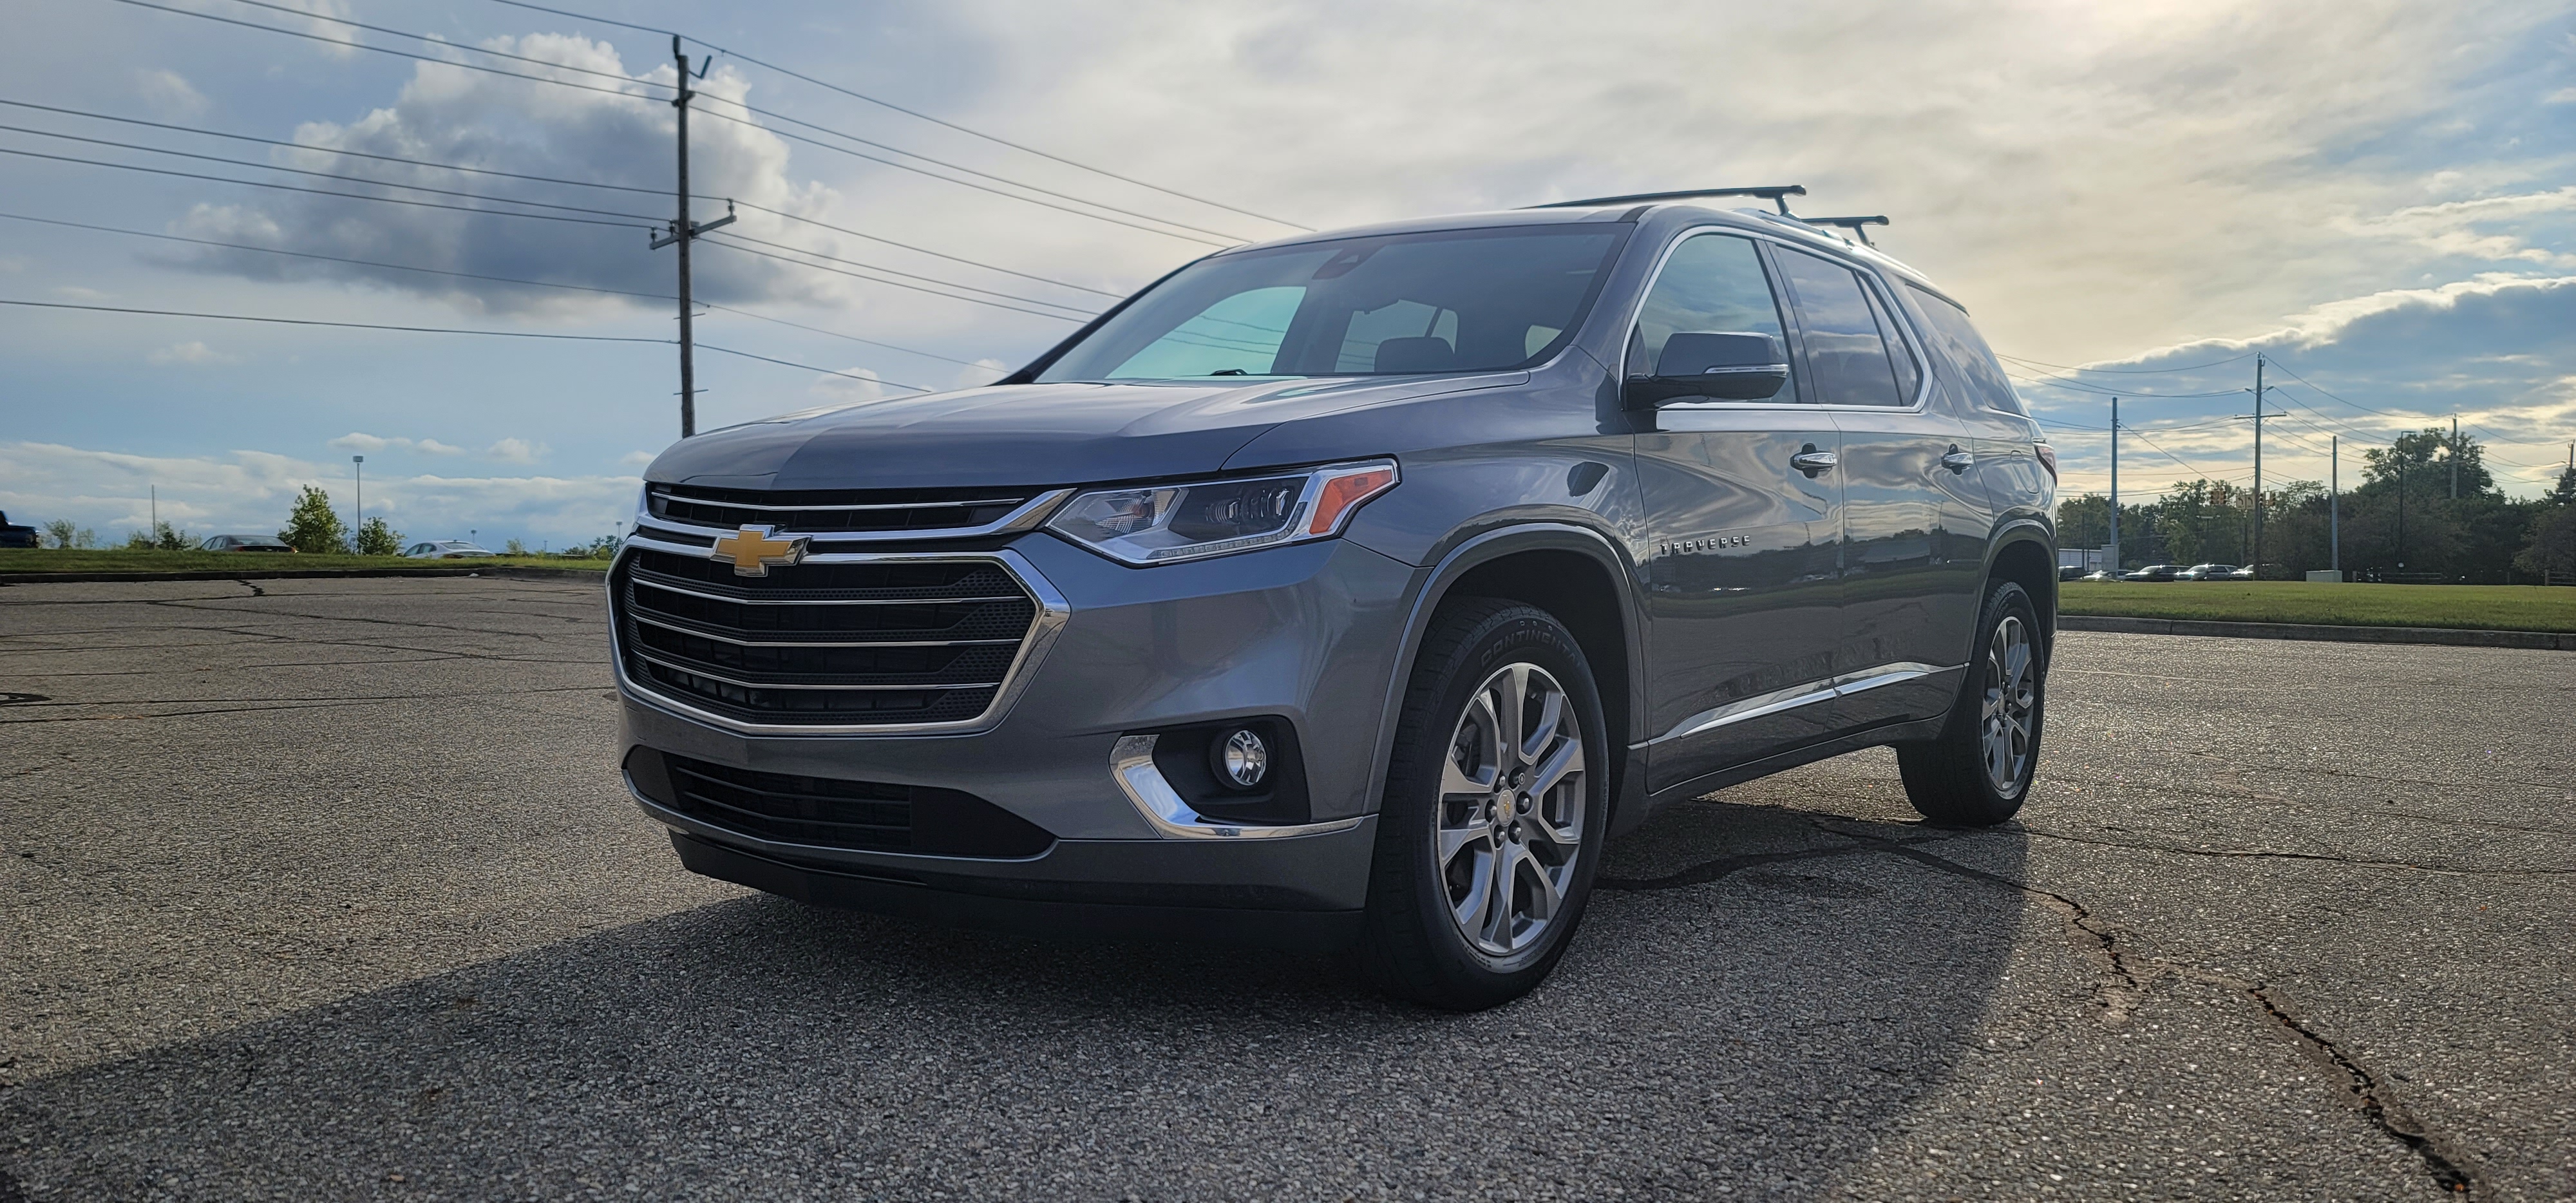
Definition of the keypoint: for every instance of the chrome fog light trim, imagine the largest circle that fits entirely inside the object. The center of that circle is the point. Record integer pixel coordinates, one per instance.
(1131, 763)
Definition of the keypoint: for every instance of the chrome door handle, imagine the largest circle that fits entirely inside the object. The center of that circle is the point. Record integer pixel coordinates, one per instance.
(1957, 460)
(1811, 461)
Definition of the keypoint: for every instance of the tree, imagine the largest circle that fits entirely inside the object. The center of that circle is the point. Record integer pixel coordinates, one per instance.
(59, 532)
(377, 539)
(2425, 460)
(514, 548)
(162, 537)
(313, 527)
(2552, 550)
(2084, 521)
(2565, 493)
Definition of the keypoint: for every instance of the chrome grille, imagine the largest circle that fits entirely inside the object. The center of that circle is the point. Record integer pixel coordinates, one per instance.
(838, 645)
(837, 511)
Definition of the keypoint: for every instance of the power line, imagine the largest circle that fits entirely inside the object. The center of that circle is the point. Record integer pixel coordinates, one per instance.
(389, 200)
(720, 240)
(437, 271)
(858, 154)
(547, 179)
(2130, 371)
(587, 338)
(358, 154)
(2082, 387)
(908, 275)
(656, 100)
(1026, 149)
(328, 175)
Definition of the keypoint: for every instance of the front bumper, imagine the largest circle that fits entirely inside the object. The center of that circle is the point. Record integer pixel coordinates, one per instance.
(1306, 633)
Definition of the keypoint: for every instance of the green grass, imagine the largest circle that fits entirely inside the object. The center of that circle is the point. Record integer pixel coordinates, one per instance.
(15, 560)
(2478, 607)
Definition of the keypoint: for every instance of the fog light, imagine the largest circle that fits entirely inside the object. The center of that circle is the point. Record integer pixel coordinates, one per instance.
(1242, 758)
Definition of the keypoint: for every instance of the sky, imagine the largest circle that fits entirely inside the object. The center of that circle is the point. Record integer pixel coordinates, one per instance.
(2377, 198)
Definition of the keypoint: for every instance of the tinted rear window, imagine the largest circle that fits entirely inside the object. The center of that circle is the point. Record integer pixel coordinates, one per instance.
(1968, 349)
(1447, 301)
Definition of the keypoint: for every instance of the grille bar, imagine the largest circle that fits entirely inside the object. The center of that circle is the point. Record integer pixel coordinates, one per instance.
(690, 514)
(892, 643)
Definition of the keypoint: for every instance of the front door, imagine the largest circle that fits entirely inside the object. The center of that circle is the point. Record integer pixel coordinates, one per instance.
(1742, 602)
(1912, 560)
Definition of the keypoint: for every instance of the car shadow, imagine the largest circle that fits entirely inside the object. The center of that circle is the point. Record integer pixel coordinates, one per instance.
(1757, 995)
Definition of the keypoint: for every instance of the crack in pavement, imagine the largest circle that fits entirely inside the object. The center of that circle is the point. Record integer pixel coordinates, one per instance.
(255, 591)
(2370, 1097)
(2266, 854)
(184, 604)
(284, 704)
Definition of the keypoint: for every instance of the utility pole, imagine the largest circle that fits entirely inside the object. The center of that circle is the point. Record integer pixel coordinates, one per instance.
(359, 464)
(2334, 504)
(683, 232)
(2258, 467)
(2115, 486)
(2455, 459)
(2401, 512)
(156, 512)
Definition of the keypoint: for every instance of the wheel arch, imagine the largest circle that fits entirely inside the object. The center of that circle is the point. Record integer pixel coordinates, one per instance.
(2025, 553)
(1573, 572)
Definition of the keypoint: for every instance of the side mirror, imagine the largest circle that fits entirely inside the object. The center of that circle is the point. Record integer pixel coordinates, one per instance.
(1729, 366)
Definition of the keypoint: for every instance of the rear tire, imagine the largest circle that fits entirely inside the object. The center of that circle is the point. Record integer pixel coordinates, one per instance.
(1497, 799)
(1977, 772)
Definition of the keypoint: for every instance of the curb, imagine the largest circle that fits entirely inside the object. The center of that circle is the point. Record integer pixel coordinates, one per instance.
(274, 574)
(2452, 636)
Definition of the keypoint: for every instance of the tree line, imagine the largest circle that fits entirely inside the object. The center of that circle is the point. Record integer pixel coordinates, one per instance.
(312, 527)
(2402, 522)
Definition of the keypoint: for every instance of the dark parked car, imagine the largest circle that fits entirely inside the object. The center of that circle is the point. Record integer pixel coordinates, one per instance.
(1352, 589)
(16, 536)
(263, 543)
(2208, 572)
(2154, 572)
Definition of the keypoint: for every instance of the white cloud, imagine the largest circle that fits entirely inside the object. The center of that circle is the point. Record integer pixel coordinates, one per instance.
(983, 373)
(75, 292)
(636, 459)
(192, 354)
(2561, 96)
(516, 451)
(369, 444)
(446, 114)
(252, 491)
(170, 94)
(843, 390)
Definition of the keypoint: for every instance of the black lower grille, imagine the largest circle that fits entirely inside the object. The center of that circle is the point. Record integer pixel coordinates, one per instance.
(828, 812)
(856, 645)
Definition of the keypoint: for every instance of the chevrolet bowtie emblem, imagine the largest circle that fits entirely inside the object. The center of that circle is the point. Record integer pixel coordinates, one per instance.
(753, 549)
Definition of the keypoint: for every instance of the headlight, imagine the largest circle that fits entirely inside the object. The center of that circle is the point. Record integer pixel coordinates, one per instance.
(1159, 524)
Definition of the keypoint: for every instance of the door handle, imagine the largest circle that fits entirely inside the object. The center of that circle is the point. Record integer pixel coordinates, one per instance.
(1812, 461)
(1957, 460)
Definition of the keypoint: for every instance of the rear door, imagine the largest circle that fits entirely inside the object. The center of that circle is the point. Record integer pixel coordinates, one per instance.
(1912, 513)
(1743, 606)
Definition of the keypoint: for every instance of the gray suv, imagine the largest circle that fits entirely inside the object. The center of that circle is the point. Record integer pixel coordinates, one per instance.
(1351, 590)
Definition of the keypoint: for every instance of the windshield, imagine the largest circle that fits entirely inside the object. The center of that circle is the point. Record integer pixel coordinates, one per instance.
(1396, 304)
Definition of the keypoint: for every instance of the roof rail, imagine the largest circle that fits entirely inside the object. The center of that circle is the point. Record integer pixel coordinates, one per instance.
(1777, 194)
(1852, 224)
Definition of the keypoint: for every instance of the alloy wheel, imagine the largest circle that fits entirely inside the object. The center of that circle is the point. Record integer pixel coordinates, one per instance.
(2010, 708)
(1510, 820)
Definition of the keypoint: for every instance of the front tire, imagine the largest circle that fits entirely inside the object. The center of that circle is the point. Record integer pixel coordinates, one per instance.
(1977, 772)
(1496, 804)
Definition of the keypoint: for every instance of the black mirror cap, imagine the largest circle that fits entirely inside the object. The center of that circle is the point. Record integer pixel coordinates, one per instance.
(1717, 365)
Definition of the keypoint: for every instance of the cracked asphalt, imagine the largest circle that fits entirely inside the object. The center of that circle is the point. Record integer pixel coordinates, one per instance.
(326, 889)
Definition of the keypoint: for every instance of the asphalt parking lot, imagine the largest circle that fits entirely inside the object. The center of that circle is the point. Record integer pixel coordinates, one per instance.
(327, 889)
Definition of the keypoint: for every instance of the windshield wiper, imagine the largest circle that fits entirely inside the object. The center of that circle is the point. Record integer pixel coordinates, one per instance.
(1229, 372)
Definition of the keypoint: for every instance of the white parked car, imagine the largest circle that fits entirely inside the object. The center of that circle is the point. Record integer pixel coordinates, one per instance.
(447, 549)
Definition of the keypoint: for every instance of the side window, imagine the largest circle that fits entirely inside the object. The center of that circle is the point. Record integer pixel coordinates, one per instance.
(1846, 354)
(1712, 284)
(1968, 350)
(1909, 373)
(1237, 336)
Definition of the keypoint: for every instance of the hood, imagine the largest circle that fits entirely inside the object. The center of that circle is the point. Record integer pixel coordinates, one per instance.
(1025, 434)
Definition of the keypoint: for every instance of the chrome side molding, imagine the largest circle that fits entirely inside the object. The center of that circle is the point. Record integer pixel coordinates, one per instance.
(1800, 695)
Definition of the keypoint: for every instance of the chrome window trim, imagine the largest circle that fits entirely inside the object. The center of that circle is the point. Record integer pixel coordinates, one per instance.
(1027, 516)
(1923, 368)
(1843, 685)
(1131, 764)
(1053, 612)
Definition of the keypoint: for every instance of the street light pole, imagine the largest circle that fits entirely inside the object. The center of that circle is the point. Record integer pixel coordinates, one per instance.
(2258, 467)
(356, 535)
(2334, 504)
(2115, 486)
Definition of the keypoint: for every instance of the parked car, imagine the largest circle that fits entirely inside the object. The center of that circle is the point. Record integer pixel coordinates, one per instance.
(267, 543)
(2245, 573)
(13, 535)
(446, 549)
(2099, 574)
(2207, 572)
(2070, 572)
(1352, 589)
(2154, 572)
